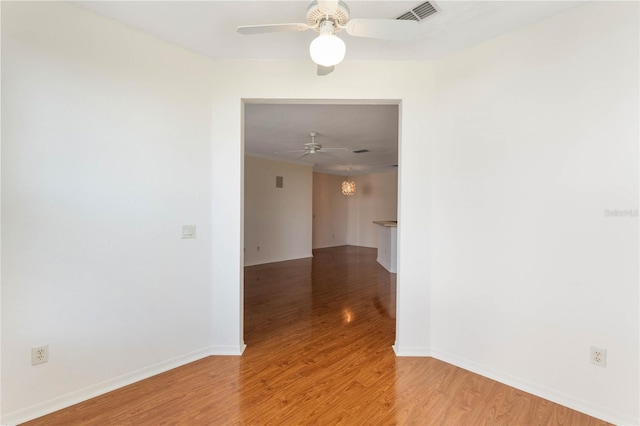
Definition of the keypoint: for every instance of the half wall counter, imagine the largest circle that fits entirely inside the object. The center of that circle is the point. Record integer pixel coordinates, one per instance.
(387, 244)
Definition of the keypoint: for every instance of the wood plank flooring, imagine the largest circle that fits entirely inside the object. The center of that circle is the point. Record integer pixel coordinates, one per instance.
(319, 334)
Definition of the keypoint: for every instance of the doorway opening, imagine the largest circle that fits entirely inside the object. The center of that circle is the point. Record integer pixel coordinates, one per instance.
(297, 153)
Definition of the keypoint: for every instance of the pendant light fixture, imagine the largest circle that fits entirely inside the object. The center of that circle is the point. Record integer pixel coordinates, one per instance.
(348, 186)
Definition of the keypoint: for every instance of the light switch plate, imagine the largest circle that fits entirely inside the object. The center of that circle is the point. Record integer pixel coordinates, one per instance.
(188, 231)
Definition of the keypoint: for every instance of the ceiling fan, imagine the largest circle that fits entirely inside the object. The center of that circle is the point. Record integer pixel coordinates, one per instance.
(329, 17)
(314, 148)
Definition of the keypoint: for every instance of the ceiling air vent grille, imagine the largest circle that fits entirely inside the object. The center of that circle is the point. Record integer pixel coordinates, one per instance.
(408, 16)
(420, 12)
(360, 151)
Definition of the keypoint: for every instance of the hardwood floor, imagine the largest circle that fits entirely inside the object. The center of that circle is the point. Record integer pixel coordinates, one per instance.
(319, 335)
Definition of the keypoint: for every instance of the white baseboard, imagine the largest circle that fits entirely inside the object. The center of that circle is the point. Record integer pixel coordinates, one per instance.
(536, 389)
(64, 401)
(411, 351)
(265, 261)
(227, 350)
(330, 246)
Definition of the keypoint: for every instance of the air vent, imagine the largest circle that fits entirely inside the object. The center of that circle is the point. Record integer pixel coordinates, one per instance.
(408, 16)
(394, 166)
(360, 151)
(420, 12)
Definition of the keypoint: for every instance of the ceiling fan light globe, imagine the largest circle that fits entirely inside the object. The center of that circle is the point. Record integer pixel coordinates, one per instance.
(327, 50)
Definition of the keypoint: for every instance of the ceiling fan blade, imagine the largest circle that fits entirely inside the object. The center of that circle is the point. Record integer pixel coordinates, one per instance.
(288, 152)
(303, 155)
(271, 28)
(325, 70)
(328, 6)
(332, 149)
(385, 29)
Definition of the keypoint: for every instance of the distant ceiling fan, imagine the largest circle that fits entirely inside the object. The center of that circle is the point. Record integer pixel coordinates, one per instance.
(328, 17)
(314, 148)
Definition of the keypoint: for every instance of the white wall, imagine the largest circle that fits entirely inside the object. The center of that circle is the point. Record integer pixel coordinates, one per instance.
(329, 211)
(112, 140)
(342, 220)
(537, 136)
(376, 198)
(296, 80)
(105, 155)
(277, 221)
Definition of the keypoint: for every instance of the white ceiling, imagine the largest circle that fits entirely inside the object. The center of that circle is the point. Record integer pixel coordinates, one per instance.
(208, 27)
(273, 130)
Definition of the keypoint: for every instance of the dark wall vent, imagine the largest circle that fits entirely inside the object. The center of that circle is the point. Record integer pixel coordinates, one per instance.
(420, 12)
(279, 182)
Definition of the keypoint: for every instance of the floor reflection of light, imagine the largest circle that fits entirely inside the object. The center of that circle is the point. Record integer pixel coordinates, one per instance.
(347, 315)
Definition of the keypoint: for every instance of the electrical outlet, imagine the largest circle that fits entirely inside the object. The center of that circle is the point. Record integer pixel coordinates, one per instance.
(598, 356)
(40, 355)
